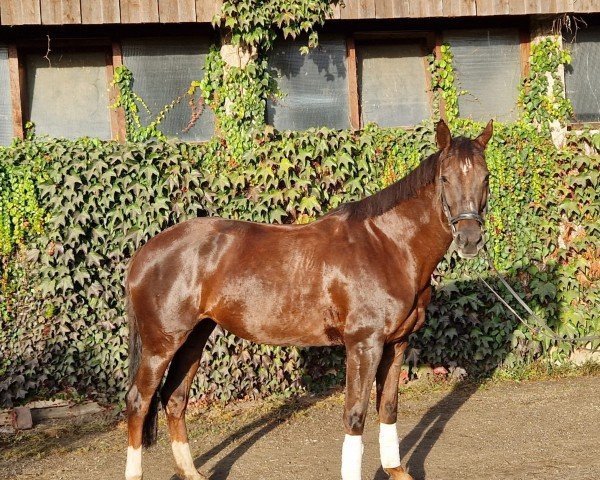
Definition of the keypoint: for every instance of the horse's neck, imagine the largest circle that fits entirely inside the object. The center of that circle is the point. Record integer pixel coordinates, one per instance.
(419, 223)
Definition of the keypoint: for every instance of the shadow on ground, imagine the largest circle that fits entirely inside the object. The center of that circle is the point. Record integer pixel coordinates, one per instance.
(46, 439)
(416, 446)
(253, 431)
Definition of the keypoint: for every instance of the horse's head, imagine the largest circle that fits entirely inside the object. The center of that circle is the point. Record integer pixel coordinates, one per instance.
(463, 186)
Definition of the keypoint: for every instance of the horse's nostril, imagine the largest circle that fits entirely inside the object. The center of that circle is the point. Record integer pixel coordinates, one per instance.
(461, 239)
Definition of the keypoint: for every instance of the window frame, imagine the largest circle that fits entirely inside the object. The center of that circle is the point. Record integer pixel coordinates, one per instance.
(432, 38)
(429, 45)
(578, 125)
(18, 76)
(212, 40)
(426, 45)
(524, 36)
(350, 60)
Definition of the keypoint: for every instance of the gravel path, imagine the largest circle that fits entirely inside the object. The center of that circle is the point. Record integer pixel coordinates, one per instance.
(534, 430)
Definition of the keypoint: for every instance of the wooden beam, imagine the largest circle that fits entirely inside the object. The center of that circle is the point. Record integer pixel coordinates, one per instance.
(96, 12)
(60, 12)
(350, 10)
(41, 415)
(207, 9)
(337, 12)
(17, 85)
(177, 11)
(353, 97)
(433, 8)
(20, 12)
(384, 9)
(485, 7)
(366, 8)
(139, 11)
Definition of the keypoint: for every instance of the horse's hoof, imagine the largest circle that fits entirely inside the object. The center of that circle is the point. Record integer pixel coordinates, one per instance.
(191, 476)
(398, 473)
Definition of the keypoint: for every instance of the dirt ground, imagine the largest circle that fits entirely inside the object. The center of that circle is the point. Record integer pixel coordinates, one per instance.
(531, 430)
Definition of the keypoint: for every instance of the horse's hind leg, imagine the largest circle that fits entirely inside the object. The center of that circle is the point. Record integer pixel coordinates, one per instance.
(362, 359)
(388, 375)
(139, 400)
(175, 393)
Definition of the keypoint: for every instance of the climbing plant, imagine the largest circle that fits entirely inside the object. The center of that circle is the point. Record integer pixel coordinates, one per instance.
(237, 80)
(77, 210)
(542, 97)
(443, 84)
(257, 23)
(131, 103)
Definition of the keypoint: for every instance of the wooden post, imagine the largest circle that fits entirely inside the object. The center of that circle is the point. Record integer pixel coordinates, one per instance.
(17, 85)
(117, 115)
(438, 56)
(525, 42)
(353, 97)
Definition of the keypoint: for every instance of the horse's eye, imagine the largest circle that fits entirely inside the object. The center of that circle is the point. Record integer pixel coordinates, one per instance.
(487, 178)
(444, 179)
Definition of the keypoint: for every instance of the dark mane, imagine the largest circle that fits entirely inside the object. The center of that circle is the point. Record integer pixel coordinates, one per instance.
(389, 197)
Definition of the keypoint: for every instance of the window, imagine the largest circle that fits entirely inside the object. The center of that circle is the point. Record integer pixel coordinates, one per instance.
(163, 69)
(6, 126)
(393, 83)
(582, 77)
(68, 94)
(315, 86)
(488, 68)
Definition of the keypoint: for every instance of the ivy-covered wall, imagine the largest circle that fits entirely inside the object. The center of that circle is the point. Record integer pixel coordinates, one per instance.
(73, 212)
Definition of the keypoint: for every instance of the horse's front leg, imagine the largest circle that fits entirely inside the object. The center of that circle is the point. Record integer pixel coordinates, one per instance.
(388, 375)
(362, 359)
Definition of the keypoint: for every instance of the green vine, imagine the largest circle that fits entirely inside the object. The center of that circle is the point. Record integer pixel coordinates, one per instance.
(131, 102)
(238, 91)
(238, 97)
(20, 212)
(257, 23)
(443, 83)
(542, 96)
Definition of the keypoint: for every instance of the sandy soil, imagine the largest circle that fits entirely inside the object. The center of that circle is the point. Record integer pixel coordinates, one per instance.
(534, 430)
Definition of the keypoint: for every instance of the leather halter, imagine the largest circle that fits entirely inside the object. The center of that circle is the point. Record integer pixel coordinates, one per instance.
(453, 220)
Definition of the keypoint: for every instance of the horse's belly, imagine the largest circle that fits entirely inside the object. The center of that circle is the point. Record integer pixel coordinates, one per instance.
(276, 324)
(274, 331)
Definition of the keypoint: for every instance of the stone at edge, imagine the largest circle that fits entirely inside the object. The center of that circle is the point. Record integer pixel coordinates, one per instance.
(22, 419)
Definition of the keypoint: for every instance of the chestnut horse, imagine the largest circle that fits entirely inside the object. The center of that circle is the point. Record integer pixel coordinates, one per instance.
(359, 277)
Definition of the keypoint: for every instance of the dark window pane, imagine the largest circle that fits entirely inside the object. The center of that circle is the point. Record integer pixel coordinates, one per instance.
(488, 67)
(163, 70)
(582, 77)
(393, 84)
(68, 95)
(315, 86)
(6, 119)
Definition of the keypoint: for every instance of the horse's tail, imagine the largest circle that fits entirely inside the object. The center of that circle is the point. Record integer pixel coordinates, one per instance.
(150, 428)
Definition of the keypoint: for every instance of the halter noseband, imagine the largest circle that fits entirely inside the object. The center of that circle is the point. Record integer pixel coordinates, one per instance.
(452, 221)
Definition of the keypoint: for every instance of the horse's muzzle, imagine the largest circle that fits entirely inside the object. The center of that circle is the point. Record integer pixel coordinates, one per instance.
(468, 242)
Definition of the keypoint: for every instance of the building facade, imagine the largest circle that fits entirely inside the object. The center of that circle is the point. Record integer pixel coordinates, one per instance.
(57, 60)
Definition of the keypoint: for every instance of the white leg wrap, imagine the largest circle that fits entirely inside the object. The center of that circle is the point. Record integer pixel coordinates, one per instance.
(389, 446)
(184, 460)
(133, 470)
(352, 451)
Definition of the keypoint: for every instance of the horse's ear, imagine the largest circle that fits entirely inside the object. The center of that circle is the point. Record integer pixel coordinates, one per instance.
(443, 135)
(485, 136)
